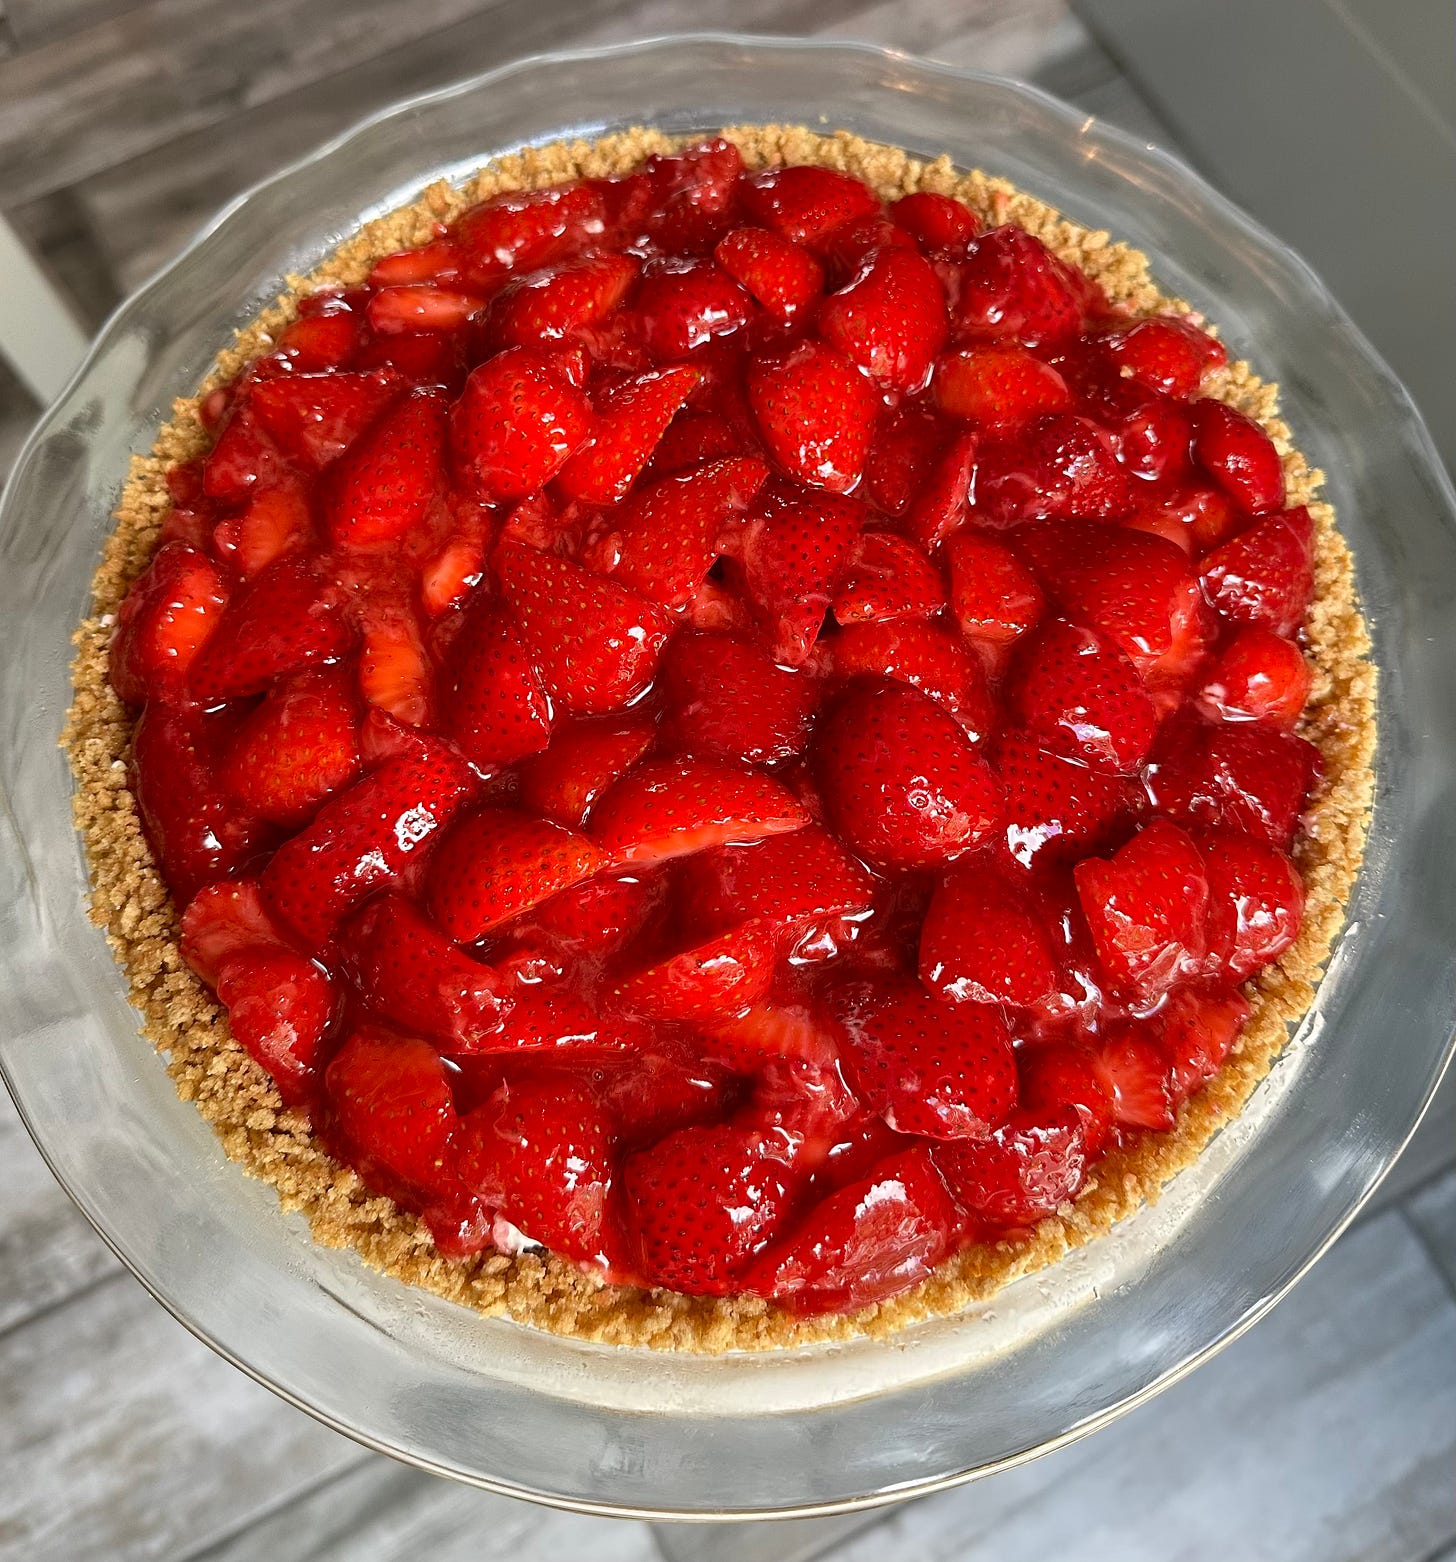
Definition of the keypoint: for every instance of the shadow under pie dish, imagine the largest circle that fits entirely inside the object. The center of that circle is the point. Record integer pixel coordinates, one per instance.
(1132, 1059)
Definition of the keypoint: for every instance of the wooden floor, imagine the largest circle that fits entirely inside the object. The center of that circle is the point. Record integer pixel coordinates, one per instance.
(1328, 1433)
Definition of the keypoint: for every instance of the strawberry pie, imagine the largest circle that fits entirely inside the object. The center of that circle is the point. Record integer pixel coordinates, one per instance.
(711, 745)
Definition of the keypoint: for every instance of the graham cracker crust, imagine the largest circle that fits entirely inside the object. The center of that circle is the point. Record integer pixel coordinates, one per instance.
(182, 1019)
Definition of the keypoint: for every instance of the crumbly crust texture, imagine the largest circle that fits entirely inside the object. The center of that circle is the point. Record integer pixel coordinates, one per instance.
(180, 1016)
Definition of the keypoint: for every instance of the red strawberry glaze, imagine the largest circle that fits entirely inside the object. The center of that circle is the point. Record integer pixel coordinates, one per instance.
(741, 734)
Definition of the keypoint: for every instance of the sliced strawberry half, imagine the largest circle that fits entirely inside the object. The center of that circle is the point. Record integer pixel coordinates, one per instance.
(279, 1006)
(1060, 466)
(901, 780)
(364, 839)
(381, 486)
(682, 305)
(411, 974)
(806, 204)
(999, 386)
(1146, 908)
(523, 229)
(867, 1242)
(594, 642)
(316, 417)
(926, 656)
(1197, 1029)
(166, 619)
(1256, 676)
(887, 577)
(297, 749)
(1024, 1171)
(993, 595)
(560, 301)
(1265, 575)
(667, 808)
(802, 877)
(1238, 455)
(1077, 694)
(982, 943)
(628, 427)
(1255, 902)
(542, 1153)
(1137, 1075)
(1056, 1077)
(726, 699)
(704, 1201)
(493, 703)
(709, 982)
(946, 1071)
(497, 863)
(889, 319)
(782, 276)
(279, 622)
(815, 411)
(1166, 353)
(663, 541)
(517, 423)
(1058, 808)
(940, 225)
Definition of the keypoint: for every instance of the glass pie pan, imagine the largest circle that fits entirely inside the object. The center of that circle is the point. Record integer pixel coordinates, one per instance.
(823, 1428)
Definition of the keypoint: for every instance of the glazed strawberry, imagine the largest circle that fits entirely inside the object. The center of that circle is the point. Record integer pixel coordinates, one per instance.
(802, 877)
(279, 1007)
(981, 943)
(394, 310)
(725, 699)
(683, 305)
(409, 973)
(694, 196)
(1146, 909)
(451, 574)
(926, 656)
(906, 445)
(1055, 806)
(663, 541)
(702, 1202)
(166, 618)
(1255, 902)
(1154, 440)
(941, 506)
(391, 1099)
(814, 410)
(550, 1024)
(497, 863)
(1124, 583)
(278, 623)
(903, 785)
(1000, 386)
(1236, 775)
(1075, 693)
(867, 1242)
(493, 704)
(769, 1032)
(196, 832)
(1197, 1028)
(993, 595)
(524, 229)
(316, 417)
(670, 807)
(656, 1092)
(711, 981)
(782, 276)
(362, 840)
(382, 485)
(1137, 1075)
(542, 1155)
(437, 261)
(594, 643)
(225, 920)
(1013, 288)
(1058, 1077)
(1058, 466)
(582, 760)
(1238, 455)
(324, 339)
(1256, 676)
(1166, 353)
(298, 748)
(791, 563)
(1025, 1170)
(943, 1070)
(886, 577)
(277, 521)
(560, 301)
(1265, 575)
(806, 204)
(517, 422)
(940, 225)
(889, 319)
(242, 461)
(629, 424)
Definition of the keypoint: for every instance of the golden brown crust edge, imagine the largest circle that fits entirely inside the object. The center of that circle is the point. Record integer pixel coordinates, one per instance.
(130, 901)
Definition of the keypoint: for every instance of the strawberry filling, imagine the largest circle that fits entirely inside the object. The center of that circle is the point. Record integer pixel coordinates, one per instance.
(739, 734)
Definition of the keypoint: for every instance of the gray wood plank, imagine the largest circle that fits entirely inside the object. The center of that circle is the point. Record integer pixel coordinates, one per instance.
(34, 22)
(1432, 1211)
(1327, 1433)
(146, 208)
(47, 1250)
(121, 1436)
(383, 1512)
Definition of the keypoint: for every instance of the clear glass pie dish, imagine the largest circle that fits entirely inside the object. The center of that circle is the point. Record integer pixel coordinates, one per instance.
(820, 1428)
